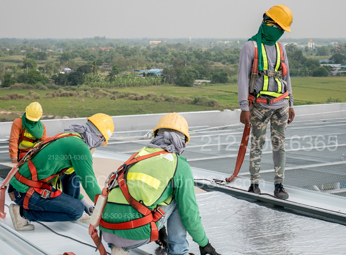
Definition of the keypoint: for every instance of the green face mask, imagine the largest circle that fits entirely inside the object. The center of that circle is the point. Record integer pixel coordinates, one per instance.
(267, 35)
(270, 35)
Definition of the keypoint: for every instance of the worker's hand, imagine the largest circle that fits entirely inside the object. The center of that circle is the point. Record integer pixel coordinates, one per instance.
(245, 118)
(163, 238)
(291, 115)
(14, 161)
(88, 208)
(208, 249)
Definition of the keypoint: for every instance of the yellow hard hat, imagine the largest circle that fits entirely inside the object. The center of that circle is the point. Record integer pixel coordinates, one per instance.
(174, 121)
(282, 15)
(33, 111)
(104, 123)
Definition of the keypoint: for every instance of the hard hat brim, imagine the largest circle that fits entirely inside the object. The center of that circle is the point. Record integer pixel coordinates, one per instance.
(31, 118)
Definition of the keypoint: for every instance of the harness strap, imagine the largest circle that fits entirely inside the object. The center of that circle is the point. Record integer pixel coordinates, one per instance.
(253, 99)
(283, 64)
(150, 216)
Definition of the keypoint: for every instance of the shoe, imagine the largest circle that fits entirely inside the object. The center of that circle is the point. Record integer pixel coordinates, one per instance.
(280, 191)
(254, 188)
(118, 251)
(85, 218)
(19, 223)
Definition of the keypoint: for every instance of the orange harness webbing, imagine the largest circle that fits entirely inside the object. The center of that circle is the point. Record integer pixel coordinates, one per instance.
(149, 216)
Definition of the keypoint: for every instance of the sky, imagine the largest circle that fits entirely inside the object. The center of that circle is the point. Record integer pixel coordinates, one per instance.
(164, 18)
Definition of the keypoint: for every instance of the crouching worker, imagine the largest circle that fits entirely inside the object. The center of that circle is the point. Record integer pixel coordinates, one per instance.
(31, 189)
(154, 188)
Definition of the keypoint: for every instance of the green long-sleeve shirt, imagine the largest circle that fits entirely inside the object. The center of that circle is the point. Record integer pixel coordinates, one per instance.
(63, 153)
(186, 201)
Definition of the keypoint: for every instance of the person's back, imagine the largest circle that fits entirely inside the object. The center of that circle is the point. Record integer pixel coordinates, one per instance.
(162, 183)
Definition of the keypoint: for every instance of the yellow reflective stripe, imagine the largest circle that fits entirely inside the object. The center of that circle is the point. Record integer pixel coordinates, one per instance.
(265, 67)
(270, 93)
(28, 135)
(151, 181)
(69, 171)
(278, 62)
(25, 145)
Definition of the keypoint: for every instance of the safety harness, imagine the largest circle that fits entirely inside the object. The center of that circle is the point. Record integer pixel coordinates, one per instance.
(25, 143)
(279, 72)
(40, 186)
(118, 179)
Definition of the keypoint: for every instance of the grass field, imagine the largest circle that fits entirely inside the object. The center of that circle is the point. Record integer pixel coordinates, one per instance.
(306, 90)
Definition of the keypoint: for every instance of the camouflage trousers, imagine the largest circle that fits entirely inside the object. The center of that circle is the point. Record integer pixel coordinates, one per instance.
(260, 117)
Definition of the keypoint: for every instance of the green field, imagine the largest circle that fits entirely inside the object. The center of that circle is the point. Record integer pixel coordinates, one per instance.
(306, 90)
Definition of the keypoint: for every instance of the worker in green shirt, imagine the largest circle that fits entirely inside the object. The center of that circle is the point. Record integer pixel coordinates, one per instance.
(31, 188)
(163, 183)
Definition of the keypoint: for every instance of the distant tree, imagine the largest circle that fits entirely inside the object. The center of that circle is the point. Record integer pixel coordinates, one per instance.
(113, 72)
(186, 78)
(99, 62)
(291, 47)
(8, 80)
(34, 77)
(323, 51)
(65, 57)
(84, 69)
(94, 67)
(338, 58)
(60, 79)
(219, 77)
(29, 63)
(320, 72)
(75, 78)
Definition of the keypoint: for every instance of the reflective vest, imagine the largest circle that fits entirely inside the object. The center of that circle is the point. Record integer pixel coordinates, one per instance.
(139, 183)
(44, 186)
(147, 180)
(25, 143)
(279, 72)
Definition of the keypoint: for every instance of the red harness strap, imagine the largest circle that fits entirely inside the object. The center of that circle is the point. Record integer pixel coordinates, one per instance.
(254, 99)
(22, 152)
(40, 186)
(149, 216)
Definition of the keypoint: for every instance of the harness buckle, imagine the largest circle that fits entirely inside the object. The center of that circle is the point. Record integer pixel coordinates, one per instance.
(270, 100)
(45, 193)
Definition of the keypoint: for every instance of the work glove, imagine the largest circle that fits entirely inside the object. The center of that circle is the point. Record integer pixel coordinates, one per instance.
(163, 238)
(88, 208)
(208, 249)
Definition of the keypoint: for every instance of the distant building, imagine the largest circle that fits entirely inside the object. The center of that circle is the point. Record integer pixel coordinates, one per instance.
(311, 45)
(150, 72)
(155, 42)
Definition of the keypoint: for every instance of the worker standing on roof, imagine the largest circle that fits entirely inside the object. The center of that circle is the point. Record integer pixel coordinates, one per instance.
(31, 189)
(26, 132)
(163, 184)
(264, 80)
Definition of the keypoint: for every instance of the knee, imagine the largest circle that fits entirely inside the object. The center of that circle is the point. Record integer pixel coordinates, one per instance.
(77, 212)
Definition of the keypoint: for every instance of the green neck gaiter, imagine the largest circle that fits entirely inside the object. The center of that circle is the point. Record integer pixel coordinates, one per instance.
(34, 128)
(267, 35)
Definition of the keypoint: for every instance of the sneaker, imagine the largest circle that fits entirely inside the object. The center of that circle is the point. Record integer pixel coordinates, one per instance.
(118, 251)
(85, 218)
(19, 223)
(254, 188)
(280, 191)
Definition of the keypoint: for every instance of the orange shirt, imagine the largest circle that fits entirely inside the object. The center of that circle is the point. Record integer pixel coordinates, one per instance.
(16, 131)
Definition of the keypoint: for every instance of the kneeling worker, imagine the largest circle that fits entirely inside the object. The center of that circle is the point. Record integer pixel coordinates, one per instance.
(31, 189)
(26, 132)
(162, 183)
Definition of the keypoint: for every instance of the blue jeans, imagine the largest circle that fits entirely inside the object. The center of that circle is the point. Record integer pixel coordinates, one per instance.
(177, 242)
(65, 207)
